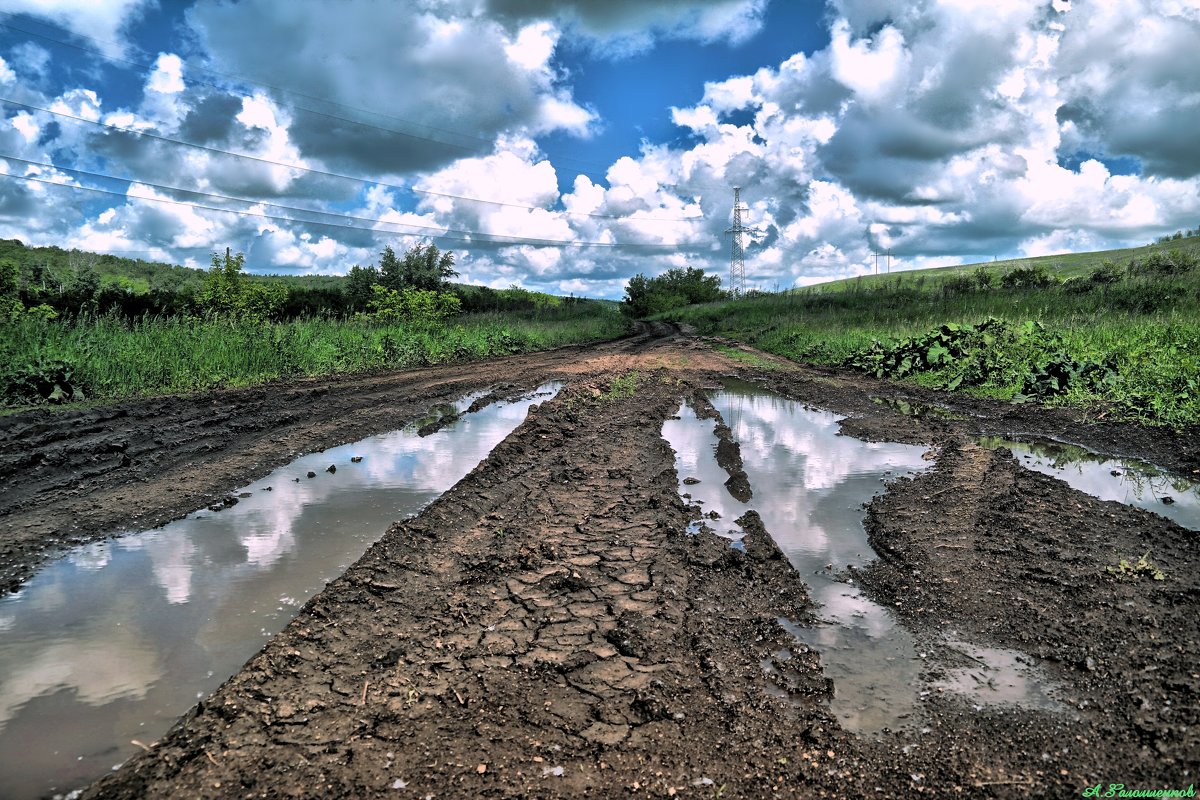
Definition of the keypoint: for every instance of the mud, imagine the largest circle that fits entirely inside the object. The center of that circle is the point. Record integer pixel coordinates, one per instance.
(548, 629)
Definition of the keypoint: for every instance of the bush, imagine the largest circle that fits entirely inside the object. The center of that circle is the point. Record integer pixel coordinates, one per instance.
(1108, 274)
(39, 381)
(1033, 276)
(984, 279)
(675, 288)
(959, 284)
(1173, 262)
(1143, 298)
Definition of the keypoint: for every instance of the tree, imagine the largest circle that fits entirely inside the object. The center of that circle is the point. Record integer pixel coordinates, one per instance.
(391, 272)
(84, 284)
(673, 289)
(358, 285)
(424, 266)
(226, 293)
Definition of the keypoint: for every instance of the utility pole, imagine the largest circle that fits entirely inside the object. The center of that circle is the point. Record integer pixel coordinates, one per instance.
(737, 253)
(889, 261)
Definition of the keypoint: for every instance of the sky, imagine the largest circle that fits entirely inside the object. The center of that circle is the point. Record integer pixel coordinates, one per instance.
(566, 145)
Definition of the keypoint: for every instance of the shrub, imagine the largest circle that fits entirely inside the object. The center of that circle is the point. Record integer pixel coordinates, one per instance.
(1031, 276)
(1108, 274)
(959, 284)
(40, 380)
(1143, 298)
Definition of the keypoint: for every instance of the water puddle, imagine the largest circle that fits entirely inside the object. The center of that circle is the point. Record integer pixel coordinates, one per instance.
(995, 676)
(809, 486)
(1127, 481)
(113, 642)
(914, 409)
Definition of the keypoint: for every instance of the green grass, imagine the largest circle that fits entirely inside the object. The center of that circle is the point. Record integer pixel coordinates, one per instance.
(111, 358)
(1147, 321)
(622, 388)
(1064, 267)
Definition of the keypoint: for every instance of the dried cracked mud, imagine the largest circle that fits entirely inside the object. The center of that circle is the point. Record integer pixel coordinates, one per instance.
(548, 629)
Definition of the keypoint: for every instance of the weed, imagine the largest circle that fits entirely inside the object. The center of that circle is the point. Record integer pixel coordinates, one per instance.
(114, 358)
(622, 388)
(1136, 569)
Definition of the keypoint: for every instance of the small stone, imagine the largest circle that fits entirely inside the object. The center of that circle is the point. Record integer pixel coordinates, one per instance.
(1168, 500)
(690, 481)
(482, 768)
(355, 459)
(312, 474)
(332, 468)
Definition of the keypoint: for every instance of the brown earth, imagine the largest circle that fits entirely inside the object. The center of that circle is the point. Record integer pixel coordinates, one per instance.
(546, 628)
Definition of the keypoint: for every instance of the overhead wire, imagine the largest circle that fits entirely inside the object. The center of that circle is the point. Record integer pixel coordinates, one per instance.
(477, 140)
(492, 240)
(326, 173)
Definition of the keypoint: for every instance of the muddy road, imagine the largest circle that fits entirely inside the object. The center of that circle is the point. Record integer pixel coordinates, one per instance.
(547, 628)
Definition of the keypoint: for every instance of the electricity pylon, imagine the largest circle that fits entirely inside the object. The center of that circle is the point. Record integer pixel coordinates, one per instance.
(737, 253)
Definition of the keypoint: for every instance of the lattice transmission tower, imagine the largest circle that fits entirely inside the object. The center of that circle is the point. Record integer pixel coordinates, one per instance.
(737, 253)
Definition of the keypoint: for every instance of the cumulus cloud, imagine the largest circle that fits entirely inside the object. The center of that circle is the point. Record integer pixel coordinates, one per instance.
(927, 128)
(450, 79)
(623, 27)
(102, 22)
(937, 131)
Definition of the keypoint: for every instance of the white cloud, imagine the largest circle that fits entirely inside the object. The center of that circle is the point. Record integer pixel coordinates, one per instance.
(623, 27)
(451, 80)
(102, 22)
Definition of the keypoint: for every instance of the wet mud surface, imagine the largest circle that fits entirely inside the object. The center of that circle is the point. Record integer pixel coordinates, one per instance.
(548, 629)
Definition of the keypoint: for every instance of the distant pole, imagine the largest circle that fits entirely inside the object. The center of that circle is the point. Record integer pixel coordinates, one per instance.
(889, 261)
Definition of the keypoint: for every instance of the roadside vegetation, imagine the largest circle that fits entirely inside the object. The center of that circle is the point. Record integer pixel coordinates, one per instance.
(675, 288)
(1084, 330)
(71, 331)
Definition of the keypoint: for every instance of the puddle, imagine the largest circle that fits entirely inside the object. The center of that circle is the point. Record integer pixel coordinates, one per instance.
(810, 484)
(1127, 481)
(997, 676)
(701, 480)
(914, 409)
(116, 640)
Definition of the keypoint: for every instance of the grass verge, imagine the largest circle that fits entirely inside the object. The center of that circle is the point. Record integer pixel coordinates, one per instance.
(109, 358)
(1124, 337)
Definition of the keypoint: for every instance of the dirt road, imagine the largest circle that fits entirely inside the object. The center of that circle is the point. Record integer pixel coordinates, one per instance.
(547, 629)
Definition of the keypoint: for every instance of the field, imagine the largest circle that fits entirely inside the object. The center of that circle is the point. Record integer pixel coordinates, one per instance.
(1118, 332)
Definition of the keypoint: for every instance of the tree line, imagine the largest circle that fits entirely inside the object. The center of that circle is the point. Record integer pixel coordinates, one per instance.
(75, 283)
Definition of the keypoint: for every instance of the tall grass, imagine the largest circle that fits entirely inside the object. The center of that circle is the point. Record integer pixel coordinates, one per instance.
(113, 358)
(1150, 324)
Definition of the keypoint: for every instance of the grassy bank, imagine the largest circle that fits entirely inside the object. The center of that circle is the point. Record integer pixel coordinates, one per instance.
(110, 358)
(1123, 335)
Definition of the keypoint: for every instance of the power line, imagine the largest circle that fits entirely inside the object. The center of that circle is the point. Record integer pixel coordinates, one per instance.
(144, 67)
(514, 240)
(480, 141)
(339, 215)
(325, 173)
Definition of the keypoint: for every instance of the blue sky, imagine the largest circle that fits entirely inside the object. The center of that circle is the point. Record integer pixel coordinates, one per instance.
(565, 145)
